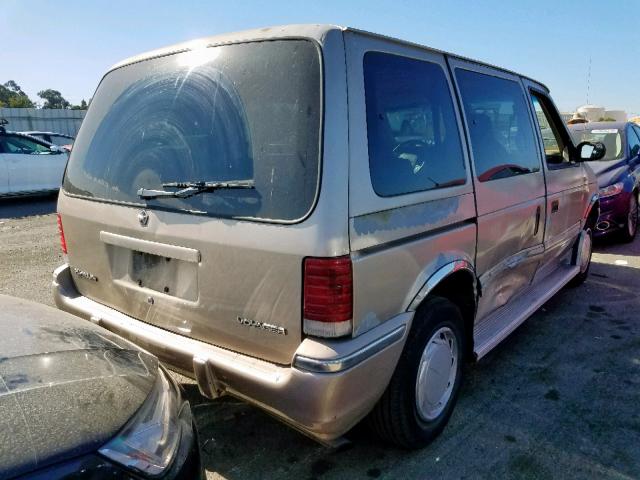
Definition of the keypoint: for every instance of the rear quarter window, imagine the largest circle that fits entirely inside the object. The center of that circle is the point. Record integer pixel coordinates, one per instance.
(412, 133)
(248, 111)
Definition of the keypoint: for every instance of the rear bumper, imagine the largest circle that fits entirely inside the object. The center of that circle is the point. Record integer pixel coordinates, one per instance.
(330, 386)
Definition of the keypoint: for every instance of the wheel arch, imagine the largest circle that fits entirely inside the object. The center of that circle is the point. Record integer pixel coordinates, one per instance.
(592, 212)
(457, 282)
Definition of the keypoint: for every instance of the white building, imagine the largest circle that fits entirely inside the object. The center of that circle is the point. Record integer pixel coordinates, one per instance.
(595, 113)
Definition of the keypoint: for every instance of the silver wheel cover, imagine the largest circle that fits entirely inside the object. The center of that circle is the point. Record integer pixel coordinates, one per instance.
(436, 374)
(585, 252)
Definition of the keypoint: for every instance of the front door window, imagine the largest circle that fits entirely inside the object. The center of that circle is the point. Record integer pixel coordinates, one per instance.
(556, 147)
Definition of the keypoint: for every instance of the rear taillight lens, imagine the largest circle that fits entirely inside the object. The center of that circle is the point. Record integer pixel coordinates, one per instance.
(63, 242)
(328, 296)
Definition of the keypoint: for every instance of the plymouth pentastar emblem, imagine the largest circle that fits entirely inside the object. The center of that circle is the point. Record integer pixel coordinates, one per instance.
(143, 218)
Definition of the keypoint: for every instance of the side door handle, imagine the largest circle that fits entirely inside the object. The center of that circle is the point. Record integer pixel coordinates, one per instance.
(537, 227)
(555, 205)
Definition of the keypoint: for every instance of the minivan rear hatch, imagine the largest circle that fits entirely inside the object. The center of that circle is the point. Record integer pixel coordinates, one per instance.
(184, 188)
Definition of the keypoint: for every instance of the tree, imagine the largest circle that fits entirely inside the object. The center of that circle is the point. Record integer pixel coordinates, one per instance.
(53, 99)
(606, 119)
(20, 101)
(11, 95)
(82, 106)
(14, 87)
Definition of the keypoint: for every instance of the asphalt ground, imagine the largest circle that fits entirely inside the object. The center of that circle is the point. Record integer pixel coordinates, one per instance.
(560, 398)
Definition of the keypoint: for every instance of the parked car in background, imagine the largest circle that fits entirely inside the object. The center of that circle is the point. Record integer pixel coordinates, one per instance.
(60, 139)
(618, 175)
(291, 216)
(80, 402)
(29, 165)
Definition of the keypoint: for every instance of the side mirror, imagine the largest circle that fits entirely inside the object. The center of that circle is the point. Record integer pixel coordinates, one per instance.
(591, 151)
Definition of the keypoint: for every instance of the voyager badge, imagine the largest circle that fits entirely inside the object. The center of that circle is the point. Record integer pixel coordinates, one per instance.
(85, 275)
(262, 326)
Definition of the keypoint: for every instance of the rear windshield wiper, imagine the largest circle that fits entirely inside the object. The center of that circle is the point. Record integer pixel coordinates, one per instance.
(188, 189)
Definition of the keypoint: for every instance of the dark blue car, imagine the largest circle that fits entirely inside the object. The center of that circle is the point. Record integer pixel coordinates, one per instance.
(78, 402)
(618, 175)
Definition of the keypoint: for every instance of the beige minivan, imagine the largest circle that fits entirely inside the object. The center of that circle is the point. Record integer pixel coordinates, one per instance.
(322, 221)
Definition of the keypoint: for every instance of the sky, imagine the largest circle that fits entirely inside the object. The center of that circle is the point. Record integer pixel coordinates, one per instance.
(67, 45)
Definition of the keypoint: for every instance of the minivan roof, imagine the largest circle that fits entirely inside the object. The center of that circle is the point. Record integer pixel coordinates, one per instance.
(313, 31)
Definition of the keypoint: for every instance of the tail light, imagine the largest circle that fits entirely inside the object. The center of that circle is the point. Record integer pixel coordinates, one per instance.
(328, 296)
(63, 242)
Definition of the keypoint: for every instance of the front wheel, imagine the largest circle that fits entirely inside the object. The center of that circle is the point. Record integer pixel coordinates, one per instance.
(631, 225)
(582, 257)
(425, 385)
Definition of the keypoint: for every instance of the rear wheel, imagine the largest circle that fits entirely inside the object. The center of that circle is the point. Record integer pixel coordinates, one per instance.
(631, 225)
(425, 385)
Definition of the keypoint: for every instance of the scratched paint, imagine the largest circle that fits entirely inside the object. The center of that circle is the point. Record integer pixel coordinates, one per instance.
(379, 227)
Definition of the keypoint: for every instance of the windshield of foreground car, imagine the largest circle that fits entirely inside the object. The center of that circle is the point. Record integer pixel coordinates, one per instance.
(609, 136)
(248, 111)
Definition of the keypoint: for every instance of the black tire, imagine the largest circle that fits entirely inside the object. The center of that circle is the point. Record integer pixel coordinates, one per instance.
(395, 418)
(628, 233)
(582, 276)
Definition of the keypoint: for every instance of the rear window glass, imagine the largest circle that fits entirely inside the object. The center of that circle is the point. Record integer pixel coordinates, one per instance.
(413, 137)
(248, 111)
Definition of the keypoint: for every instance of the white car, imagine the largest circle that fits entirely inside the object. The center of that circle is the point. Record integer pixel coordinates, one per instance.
(59, 139)
(29, 165)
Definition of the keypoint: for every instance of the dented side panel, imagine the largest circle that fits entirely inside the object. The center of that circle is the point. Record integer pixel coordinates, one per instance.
(387, 279)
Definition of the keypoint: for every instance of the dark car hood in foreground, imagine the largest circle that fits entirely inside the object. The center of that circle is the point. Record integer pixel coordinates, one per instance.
(66, 385)
(608, 171)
